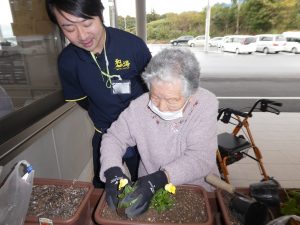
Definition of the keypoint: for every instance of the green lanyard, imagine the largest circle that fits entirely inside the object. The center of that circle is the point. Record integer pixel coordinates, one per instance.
(107, 75)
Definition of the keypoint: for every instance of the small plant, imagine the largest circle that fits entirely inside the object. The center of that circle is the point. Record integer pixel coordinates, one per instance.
(292, 205)
(162, 199)
(126, 190)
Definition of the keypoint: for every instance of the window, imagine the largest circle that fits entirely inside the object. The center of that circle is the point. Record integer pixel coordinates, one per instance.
(279, 38)
(249, 40)
(28, 64)
(290, 39)
(265, 38)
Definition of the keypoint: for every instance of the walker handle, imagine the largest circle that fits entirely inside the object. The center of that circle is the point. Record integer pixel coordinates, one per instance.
(217, 182)
(227, 114)
(265, 106)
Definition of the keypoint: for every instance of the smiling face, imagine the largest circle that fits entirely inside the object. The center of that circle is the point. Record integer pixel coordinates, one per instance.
(167, 96)
(88, 34)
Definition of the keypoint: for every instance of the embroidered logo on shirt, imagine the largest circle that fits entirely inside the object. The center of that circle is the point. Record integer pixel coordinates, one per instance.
(122, 65)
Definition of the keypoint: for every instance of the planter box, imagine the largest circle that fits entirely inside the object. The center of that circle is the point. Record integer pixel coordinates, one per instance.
(227, 216)
(117, 220)
(82, 215)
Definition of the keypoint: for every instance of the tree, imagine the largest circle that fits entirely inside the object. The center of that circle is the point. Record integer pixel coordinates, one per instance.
(173, 25)
(127, 23)
(294, 22)
(222, 20)
(152, 16)
(253, 17)
(287, 18)
(257, 16)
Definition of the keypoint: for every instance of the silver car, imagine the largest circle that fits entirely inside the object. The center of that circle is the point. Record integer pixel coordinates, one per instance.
(197, 41)
(215, 42)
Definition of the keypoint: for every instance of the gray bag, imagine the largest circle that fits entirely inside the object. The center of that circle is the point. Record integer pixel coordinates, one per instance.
(15, 194)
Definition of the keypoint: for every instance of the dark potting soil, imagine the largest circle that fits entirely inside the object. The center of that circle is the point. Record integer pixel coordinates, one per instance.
(54, 201)
(189, 207)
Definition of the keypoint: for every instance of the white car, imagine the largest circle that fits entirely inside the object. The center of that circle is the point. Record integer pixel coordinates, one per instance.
(222, 41)
(292, 45)
(215, 42)
(270, 43)
(292, 42)
(197, 41)
(239, 44)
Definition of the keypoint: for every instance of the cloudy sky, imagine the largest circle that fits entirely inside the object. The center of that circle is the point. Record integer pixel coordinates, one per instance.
(127, 7)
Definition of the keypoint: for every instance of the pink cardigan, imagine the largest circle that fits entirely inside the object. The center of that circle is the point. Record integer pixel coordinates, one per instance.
(185, 148)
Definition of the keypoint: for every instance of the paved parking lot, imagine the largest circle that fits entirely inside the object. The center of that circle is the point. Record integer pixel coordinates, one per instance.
(154, 48)
(253, 76)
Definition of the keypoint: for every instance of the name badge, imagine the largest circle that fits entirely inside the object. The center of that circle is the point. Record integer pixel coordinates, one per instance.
(121, 87)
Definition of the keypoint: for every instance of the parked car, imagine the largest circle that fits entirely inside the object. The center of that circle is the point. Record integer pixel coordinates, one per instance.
(181, 40)
(270, 43)
(197, 41)
(215, 42)
(7, 48)
(33, 50)
(239, 44)
(292, 42)
(222, 41)
(292, 45)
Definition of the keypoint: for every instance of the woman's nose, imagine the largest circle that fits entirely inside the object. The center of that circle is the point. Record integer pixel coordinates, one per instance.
(162, 106)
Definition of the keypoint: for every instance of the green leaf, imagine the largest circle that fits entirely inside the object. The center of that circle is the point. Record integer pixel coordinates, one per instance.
(292, 205)
(126, 190)
(162, 200)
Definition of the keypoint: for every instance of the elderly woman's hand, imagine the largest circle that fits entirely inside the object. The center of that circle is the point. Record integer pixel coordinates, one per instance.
(112, 186)
(139, 200)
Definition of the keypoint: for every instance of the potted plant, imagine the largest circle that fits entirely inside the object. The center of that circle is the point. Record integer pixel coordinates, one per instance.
(59, 202)
(190, 206)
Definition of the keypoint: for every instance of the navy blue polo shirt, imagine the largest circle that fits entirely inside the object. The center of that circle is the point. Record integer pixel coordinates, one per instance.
(81, 78)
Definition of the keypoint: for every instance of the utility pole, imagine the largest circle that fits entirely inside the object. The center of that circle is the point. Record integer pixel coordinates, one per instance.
(113, 13)
(141, 19)
(207, 26)
(237, 28)
(125, 25)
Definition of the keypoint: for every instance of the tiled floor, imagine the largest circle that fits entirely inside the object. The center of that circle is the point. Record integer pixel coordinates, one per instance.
(278, 138)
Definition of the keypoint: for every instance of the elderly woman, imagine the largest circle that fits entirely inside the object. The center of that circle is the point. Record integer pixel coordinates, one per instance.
(174, 127)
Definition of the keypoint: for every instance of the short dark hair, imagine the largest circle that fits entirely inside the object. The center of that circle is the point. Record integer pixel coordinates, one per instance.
(80, 8)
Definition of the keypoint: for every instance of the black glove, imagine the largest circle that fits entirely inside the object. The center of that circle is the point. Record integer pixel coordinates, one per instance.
(139, 200)
(113, 175)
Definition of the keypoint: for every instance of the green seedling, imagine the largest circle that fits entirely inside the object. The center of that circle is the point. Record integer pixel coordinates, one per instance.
(126, 191)
(292, 205)
(162, 200)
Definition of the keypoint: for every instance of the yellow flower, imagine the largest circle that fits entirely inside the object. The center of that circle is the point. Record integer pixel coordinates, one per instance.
(170, 188)
(122, 183)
